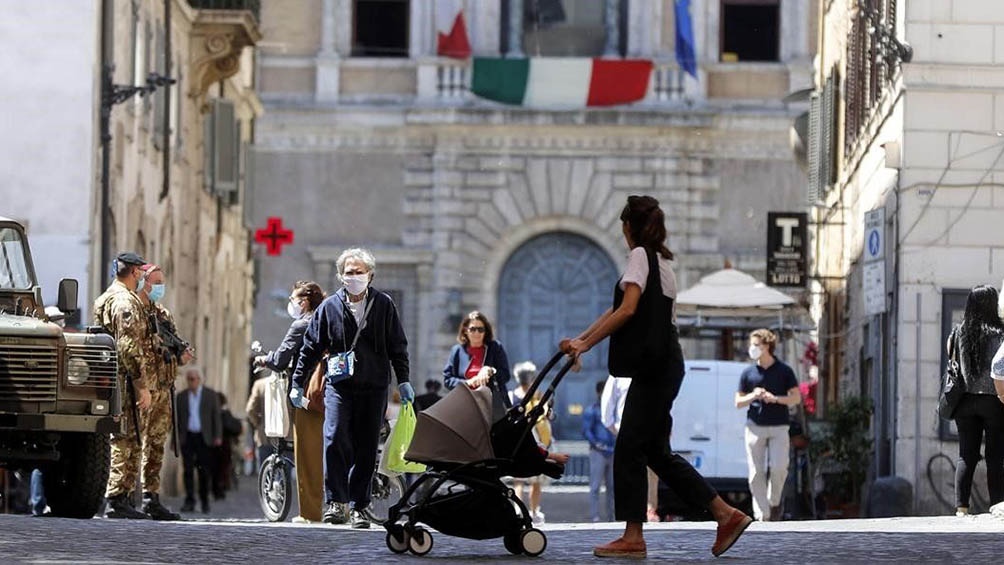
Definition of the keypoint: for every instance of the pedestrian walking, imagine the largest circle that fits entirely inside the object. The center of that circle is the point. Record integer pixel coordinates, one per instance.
(255, 410)
(766, 389)
(361, 331)
(200, 428)
(525, 373)
(156, 422)
(645, 346)
(121, 312)
(478, 359)
(308, 418)
(601, 457)
(611, 410)
(431, 396)
(979, 413)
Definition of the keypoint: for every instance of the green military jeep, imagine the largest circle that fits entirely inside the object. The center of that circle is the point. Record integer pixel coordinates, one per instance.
(59, 393)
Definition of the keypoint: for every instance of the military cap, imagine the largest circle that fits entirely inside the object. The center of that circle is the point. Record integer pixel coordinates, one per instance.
(130, 258)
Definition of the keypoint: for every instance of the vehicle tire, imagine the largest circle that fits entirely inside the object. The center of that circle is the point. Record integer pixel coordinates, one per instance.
(534, 542)
(275, 488)
(75, 485)
(386, 491)
(512, 543)
(420, 541)
(397, 539)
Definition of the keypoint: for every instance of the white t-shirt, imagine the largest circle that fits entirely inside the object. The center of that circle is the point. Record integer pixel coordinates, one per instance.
(997, 366)
(637, 272)
(612, 401)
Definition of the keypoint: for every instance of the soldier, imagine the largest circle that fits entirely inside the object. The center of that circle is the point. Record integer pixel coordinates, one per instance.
(167, 354)
(120, 311)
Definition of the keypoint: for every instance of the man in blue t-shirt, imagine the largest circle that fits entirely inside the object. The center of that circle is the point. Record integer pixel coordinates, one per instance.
(601, 456)
(766, 390)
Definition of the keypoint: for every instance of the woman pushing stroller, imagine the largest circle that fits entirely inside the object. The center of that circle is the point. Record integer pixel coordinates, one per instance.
(644, 345)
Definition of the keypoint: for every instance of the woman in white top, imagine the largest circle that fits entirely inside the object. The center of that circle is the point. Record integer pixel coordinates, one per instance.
(644, 346)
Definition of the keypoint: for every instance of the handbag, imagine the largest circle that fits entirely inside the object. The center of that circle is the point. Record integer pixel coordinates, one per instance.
(276, 406)
(315, 389)
(342, 365)
(953, 387)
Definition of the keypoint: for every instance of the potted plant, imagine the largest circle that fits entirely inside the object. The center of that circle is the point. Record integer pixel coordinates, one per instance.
(844, 454)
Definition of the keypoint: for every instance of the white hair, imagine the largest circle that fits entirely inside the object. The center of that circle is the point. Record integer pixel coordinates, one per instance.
(356, 253)
(1000, 302)
(524, 367)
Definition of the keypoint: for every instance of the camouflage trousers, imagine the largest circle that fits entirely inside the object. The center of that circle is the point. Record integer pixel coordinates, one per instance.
(125, 454)
(154, 431)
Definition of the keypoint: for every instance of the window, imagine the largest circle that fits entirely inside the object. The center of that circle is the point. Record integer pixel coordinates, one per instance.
(14, 272)
(380, 28)
(822, 148)
(222, 150)
(564, 28)
(750, 30)
(159, 96)
(870, 66)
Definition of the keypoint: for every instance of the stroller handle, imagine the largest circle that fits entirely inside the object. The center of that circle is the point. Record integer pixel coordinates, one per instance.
(539, 408)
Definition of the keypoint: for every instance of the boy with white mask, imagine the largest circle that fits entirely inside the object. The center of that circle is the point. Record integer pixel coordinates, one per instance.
(766, 390)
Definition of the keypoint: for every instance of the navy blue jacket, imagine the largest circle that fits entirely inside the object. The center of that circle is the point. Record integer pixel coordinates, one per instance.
(382, 344)
(598, 436)
(454, 373)
(287, 355)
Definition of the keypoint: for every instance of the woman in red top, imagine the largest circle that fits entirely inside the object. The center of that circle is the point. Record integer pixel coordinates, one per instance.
(478, 357)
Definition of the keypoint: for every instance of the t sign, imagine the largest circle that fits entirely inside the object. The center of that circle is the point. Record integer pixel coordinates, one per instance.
(787, 235)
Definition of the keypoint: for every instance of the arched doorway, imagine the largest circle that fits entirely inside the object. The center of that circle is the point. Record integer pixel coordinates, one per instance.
(554, 286)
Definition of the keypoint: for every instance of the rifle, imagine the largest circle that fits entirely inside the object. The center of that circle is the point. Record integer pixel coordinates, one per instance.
(132, 406)
(171, 344)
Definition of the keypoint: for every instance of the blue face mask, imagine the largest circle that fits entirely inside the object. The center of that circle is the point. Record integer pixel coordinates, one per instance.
(157, 292)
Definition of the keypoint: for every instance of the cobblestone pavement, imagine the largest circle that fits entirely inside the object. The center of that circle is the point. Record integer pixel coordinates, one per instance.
(894, 540)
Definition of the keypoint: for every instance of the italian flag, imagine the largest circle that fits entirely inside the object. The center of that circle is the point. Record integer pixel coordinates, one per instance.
(561, 82)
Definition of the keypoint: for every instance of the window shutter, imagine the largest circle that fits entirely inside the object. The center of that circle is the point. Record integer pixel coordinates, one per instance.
(209, 151)
(225, 161)
(249, 185)
(812, 151)
(159, 99)
(827, 143)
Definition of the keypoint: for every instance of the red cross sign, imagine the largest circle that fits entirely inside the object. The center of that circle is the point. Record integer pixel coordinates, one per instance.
(274, 236)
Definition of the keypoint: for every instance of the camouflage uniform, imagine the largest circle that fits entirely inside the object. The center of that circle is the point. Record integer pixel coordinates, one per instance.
(121, 312)
(157, 423)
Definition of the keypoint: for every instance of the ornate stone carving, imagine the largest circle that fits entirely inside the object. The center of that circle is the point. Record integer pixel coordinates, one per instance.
(218, 37)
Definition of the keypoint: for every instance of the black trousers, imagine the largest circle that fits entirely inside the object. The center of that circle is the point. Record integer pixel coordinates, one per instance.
(643, 441)
(978, 416)
(196, 456)
(352, 419)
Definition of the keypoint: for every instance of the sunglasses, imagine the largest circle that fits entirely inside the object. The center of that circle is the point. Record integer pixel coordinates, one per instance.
(476, 329)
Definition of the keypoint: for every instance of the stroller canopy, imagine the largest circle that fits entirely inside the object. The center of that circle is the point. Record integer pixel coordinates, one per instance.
(457, 429)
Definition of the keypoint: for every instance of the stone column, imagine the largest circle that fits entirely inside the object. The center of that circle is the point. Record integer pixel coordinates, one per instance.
(612, 25)
(327, 84)
(328, 28)
(515, 28)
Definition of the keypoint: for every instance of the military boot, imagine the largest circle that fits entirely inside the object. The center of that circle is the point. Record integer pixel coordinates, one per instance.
(157, 511)
(120, 507)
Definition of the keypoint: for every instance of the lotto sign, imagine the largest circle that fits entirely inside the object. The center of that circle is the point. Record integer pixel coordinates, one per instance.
(787, 240)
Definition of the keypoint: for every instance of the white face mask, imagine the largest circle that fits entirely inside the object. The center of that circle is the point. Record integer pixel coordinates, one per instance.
(294, 310)
(755, 352)
(356, 284)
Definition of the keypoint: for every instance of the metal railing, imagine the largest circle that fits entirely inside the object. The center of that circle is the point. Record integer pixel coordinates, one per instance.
(253, 6)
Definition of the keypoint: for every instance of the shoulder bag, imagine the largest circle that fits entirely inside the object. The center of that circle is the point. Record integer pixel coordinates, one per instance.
(342, 365)
(953, 387)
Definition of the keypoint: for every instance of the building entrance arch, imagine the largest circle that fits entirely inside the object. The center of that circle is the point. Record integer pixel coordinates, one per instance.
(554, 286)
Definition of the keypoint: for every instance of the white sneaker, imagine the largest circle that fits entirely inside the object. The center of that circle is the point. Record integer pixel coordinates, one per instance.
(538, 518)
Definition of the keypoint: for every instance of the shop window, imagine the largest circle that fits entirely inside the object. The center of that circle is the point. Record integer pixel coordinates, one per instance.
(750, 30)
(380, 28)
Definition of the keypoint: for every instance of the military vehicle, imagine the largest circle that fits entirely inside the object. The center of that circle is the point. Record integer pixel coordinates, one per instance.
(59, 390)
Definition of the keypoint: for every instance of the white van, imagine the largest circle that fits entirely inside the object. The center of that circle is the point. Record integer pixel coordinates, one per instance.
(708, 431)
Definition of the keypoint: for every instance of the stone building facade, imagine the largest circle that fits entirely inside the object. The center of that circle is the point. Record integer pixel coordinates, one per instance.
(913, 132)
(468, 204)
(190, 218)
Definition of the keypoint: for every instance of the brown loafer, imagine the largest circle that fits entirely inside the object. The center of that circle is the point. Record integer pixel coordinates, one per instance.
(622, 549)
(730, 532)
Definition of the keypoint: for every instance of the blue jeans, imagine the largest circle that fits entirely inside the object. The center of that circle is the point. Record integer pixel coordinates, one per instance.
(601, 470)
(352, 419)
(37, 496)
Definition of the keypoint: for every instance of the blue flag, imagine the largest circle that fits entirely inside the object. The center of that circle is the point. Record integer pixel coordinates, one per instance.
(686, 55)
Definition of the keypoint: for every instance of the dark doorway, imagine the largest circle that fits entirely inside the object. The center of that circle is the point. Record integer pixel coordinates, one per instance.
(381, 28)
(751, 30)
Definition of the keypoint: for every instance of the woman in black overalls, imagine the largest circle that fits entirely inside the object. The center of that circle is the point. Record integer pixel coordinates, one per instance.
(645, 346)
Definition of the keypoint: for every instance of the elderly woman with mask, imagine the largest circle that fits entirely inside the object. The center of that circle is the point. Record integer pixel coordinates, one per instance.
(359, 327)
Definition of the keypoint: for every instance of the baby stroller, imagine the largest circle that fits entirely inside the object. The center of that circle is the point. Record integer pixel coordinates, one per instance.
(468, 446)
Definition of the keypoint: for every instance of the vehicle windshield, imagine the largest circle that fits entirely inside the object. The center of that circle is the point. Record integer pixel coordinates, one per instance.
(13, 261)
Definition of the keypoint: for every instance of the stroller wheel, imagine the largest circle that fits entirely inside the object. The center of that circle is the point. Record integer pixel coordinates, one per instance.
(420, 541)
(397, 539)
(534, 542)
(512, 543)
(275, 488)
